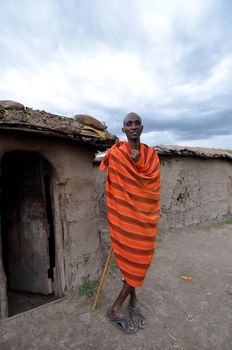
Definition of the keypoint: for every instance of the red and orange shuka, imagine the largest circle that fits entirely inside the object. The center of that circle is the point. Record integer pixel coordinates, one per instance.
(133, 208)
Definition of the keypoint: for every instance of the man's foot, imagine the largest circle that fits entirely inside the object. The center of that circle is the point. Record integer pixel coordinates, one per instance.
(137, 316)
(122, 322)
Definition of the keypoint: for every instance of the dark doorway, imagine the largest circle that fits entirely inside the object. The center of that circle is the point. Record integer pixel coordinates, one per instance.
(27, 230)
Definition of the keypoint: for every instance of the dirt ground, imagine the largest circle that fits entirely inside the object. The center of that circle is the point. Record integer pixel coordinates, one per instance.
(187, 299)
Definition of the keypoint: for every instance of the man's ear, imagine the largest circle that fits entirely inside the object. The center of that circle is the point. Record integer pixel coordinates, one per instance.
(123, 130)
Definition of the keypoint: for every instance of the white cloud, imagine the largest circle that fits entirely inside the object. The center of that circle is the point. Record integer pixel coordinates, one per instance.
(158, 138)
(106, 78)
(166, 60)
(221, 141)
(219, 81)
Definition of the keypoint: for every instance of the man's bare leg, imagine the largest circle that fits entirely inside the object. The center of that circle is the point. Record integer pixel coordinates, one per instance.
(115, 315)
(135, 311)
(116, 308)
(133, 298)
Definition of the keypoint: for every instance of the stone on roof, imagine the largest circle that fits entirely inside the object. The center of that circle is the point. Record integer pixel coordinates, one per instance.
(90, 121)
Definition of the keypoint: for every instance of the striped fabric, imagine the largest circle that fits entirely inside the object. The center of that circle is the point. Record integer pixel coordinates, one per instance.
(133, 208)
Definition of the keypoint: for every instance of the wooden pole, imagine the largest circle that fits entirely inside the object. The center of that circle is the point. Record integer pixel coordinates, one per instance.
(102, 280)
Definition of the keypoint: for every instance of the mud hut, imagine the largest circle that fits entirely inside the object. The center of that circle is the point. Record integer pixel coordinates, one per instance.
(196, 186)
(48, 239)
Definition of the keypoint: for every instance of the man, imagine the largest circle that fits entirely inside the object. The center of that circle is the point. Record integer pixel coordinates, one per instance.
(133, 206)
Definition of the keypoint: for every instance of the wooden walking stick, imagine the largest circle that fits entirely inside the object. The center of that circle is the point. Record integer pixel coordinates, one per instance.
(102, 279)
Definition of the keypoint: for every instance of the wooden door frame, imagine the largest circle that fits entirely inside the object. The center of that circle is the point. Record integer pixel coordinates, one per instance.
(58, 227)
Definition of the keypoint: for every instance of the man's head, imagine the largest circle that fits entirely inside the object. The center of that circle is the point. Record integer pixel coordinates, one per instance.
(132, 126)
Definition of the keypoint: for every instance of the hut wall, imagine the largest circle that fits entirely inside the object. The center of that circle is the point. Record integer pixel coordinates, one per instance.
(75, 209)
(194, 190)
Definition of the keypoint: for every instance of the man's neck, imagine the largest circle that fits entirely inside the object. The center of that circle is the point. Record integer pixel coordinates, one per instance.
(135, 144)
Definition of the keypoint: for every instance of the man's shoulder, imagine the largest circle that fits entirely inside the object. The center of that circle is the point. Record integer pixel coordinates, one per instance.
(117, 146)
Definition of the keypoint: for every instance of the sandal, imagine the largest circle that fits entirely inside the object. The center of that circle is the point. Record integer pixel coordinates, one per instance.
(137, 316)
(123, 322)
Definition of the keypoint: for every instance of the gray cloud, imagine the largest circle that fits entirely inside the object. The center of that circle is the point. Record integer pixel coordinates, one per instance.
(169, 61)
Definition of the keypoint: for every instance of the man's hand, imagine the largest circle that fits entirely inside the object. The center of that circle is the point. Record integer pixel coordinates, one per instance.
(135, 154)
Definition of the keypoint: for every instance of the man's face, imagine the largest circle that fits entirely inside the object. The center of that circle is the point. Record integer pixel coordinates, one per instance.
(132, 126)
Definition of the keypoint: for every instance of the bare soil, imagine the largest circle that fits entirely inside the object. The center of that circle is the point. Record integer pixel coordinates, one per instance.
(187, 299)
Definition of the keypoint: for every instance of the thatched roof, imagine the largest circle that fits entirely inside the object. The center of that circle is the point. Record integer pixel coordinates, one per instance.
(14, 116)
(193, 152)
(183, 151)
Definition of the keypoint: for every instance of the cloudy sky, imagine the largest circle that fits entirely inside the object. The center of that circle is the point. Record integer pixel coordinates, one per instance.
(168, 60)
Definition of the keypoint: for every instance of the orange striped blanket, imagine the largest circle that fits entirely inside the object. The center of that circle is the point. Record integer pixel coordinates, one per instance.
(133, 208)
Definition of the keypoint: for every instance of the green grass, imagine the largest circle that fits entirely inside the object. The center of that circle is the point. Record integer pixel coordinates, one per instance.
(159, 238)
(218, 224)
(113, 263)
(88, 287)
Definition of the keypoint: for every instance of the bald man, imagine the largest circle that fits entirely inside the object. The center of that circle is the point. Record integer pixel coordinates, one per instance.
(133, 206)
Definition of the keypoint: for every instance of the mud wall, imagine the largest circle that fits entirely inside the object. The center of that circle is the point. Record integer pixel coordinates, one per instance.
(194, 190)
(75, 207)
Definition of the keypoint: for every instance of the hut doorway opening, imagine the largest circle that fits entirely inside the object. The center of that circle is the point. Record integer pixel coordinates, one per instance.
(27, 230)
